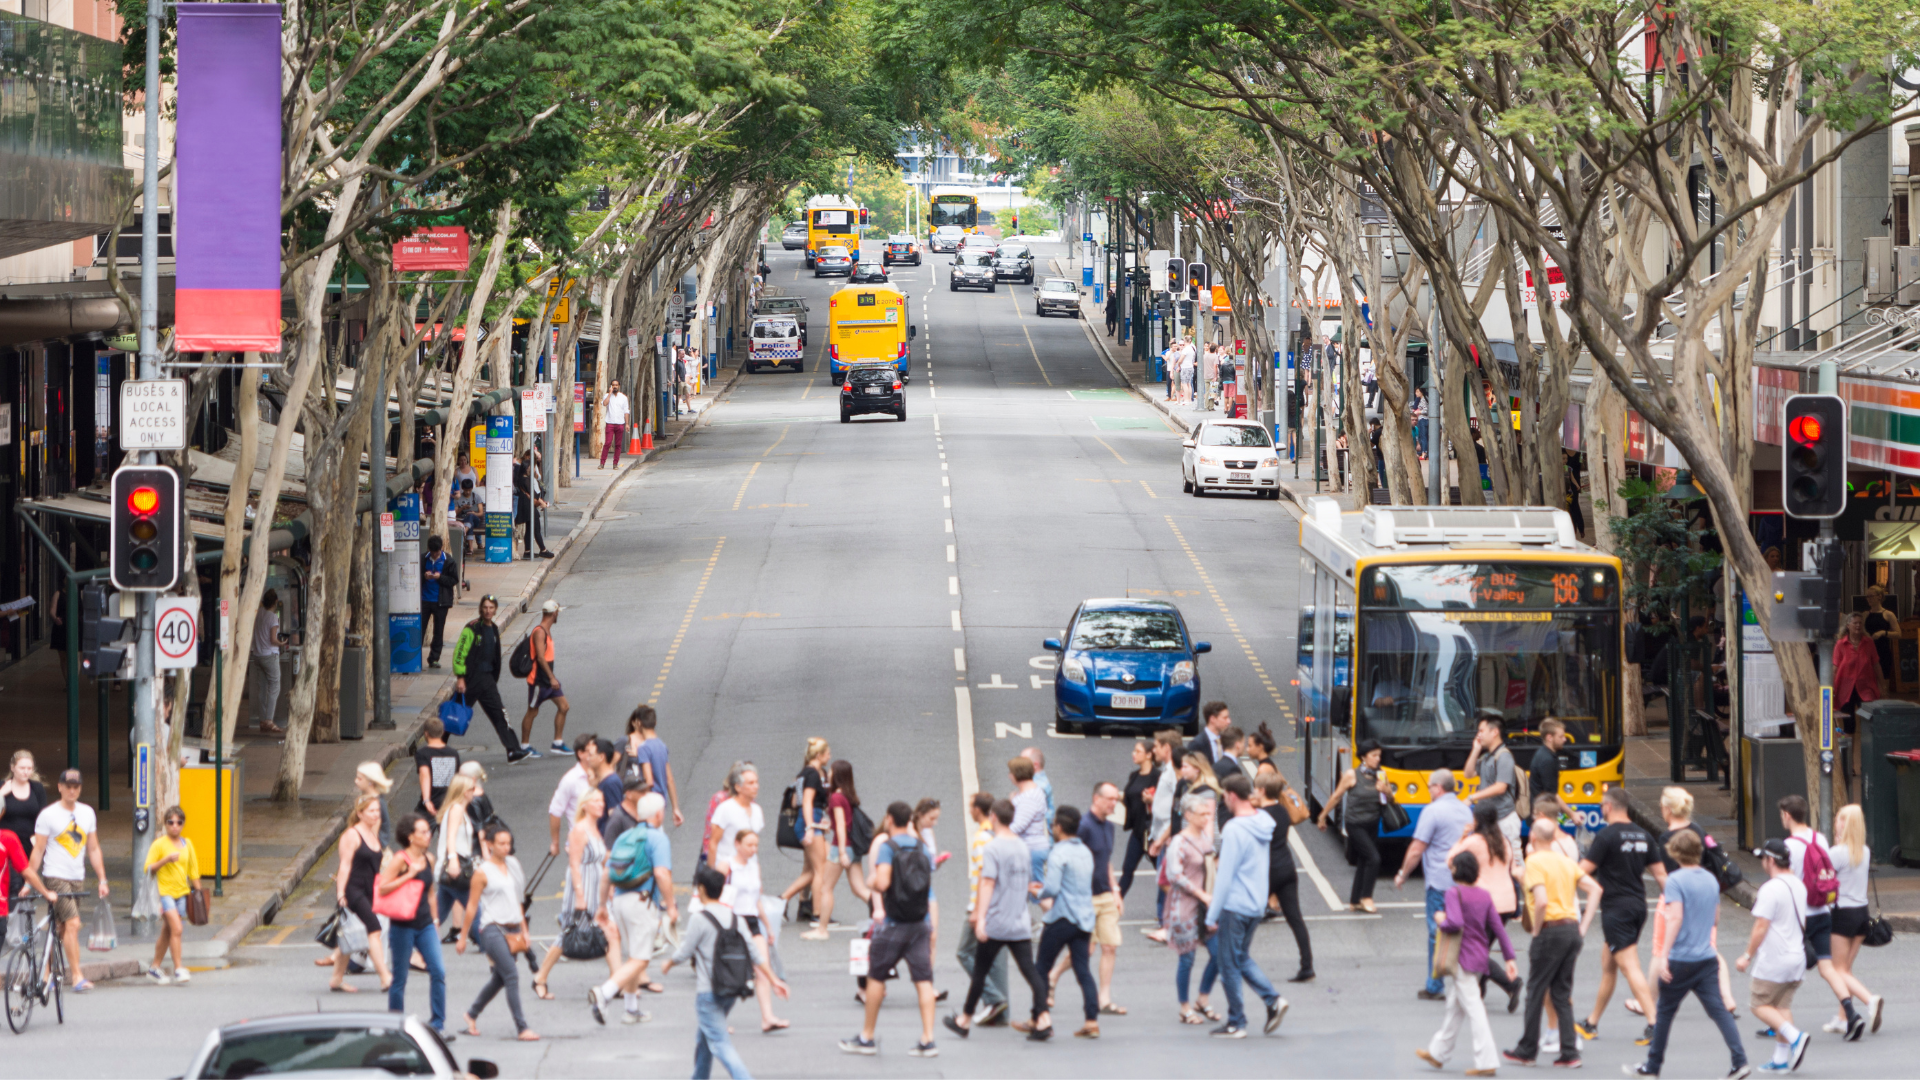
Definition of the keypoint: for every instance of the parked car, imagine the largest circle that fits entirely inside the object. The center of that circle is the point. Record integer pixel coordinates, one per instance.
(872, 388)
(1013, 262)
(946, 238)
(794, 236)
(900, 248)
(1230, 455)
(972, 270)
(784, 305)
(332, 1043)
(832, 260)
(1057, 295)
(774, 342)
(868, 271)
(1129, 664)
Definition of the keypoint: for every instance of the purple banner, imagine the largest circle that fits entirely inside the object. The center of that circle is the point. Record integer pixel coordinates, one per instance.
(227, 179)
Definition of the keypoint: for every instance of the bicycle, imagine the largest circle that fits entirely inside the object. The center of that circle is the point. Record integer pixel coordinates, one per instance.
(29, 978)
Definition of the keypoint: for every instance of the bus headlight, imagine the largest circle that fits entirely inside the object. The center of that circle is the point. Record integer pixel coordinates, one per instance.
(1587, 789)
(1182, 674)
(1073, 671)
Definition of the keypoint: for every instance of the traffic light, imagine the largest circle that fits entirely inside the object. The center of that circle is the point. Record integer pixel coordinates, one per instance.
(100, 651)
(1014, 222)
(1176, 282)
(1814, 478)
(1199, 279)
(147, 518)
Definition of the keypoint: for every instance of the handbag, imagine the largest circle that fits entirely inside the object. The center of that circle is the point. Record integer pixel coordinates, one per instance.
(581, 939)
(455, 716)
(197, 904)
(328, 936)
(517, 940)
(787, 832)
(1879, 927)
(1393, 817)
(1446, 954)
(403, 903)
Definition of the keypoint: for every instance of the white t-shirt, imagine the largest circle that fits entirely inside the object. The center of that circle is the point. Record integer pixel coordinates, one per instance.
(1853, 879)
(742, 893)
(616, 408)
(1782, 901)
(66, 832)
(1797, 850)
(266, 634)
(566, 797)
(731, 817)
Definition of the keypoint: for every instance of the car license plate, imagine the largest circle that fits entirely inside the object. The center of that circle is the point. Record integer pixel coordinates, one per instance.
(876, 390)
(1129, 701)
(1240, 477)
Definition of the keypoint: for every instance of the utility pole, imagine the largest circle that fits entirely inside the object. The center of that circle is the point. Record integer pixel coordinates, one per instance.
(146, 688)
(380, 666)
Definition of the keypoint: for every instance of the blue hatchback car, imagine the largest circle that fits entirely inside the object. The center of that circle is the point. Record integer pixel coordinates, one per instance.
(1127, 663)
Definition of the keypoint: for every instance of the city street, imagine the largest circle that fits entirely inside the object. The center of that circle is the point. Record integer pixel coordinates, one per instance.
(886, 586)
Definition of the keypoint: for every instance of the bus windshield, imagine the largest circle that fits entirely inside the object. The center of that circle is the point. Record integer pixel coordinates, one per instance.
(954, 210)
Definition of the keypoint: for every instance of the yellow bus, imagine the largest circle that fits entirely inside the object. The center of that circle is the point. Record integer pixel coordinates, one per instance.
(956, 206)
(1415, 622)
(834, 226)
(868, 324)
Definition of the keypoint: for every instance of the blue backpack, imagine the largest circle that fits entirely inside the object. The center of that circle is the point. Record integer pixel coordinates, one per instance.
(630, 863)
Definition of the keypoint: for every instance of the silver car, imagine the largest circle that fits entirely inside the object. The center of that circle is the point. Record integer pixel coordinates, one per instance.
(833, 260)
(946, 238)
(794, 236)
(335, 1044)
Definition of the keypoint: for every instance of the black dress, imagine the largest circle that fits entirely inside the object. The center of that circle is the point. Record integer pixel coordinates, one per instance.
(361, 873)
(17, 817)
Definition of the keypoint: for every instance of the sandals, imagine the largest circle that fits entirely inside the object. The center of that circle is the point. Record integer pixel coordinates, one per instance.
(1191, 1016)
(1113, 1010)
(1206, 1011)
(343, 988)
(541, 991)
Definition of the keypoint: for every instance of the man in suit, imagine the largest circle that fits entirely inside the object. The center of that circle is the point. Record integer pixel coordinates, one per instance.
(1214, 719)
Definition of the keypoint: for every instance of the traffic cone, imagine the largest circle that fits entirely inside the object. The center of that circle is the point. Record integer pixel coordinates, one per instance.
(634, 443)
(646, 441)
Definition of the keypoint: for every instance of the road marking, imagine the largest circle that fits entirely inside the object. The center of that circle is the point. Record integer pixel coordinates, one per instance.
(946, 502)
(944, 482)
(1036, 356)
(1023, 730)
(963, 719)
(778, 441)
(943, 465)
(949, 524)
(950, 553)
(1305, 859)
(666, 666)
(953, 586)
(959, 658)
(931, 392)
(1111, 450)
(1150, 493)
(936, 424)
(1233, 625)
(996, 684)
(956, 619)
(742, 493)
(1039, 682)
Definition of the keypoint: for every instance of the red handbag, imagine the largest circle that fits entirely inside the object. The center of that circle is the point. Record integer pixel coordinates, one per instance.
(403, 903)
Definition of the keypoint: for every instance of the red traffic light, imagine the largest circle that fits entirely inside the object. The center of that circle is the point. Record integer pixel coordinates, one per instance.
(143, 500)
(1805, 430)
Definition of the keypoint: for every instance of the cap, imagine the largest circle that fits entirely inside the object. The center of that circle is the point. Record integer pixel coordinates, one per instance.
(551, 607)
(1775, 849)
(70, 776)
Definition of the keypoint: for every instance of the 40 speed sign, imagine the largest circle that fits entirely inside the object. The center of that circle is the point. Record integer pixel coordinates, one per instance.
(176, 632)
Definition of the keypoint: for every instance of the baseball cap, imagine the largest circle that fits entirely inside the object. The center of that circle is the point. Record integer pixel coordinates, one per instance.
(1775, 849)
(70, 776)
(551, 607)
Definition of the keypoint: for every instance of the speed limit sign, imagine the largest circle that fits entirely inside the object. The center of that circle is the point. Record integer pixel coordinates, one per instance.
(176, 632)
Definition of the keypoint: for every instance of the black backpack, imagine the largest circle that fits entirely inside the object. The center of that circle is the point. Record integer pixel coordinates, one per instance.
(731, 973)
(859, 832)
(520, 664)
(912, 881)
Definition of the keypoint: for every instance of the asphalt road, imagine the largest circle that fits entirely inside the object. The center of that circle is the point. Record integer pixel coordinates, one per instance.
(886, 586)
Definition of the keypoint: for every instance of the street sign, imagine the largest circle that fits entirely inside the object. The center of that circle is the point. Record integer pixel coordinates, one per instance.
(153, 414)
(226, 625)
(633, 344)
(176, 632)
(533, 417)
(386, 533)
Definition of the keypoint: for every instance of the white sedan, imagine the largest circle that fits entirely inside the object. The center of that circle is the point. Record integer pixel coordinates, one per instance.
(1230, 455)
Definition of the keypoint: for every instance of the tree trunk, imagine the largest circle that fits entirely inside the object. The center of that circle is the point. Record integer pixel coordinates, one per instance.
(453, 439)
(233, 534)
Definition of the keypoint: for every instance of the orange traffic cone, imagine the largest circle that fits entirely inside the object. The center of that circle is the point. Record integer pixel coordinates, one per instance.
(646, 441)
(633, 444)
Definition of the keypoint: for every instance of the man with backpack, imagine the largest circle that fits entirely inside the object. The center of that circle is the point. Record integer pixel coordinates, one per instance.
(903, 884)
(635, 894)
(1812, 864)
(476, 674)
(725, 963)
(533, 661)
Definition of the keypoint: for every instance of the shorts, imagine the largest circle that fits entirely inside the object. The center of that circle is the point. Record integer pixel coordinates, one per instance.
(1771, 995)
(895, 942)
(1849, 922)
(638, 921)
(1820, 933)
(175, 904)
(538, 695)
(1620, 925)
(66, 907)
(802, 831)
(836, 854)
(1106, 919)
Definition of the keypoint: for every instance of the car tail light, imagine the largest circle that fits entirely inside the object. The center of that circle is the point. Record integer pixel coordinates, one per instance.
(896, 384)
(903, 349)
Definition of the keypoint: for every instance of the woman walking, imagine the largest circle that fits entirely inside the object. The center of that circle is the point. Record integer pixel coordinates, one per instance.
(407, 881)
(176, 869)
(1470, 913)
(455, 856)
(580, 897)
(840, 857)
(742, 869)
(360, 852)
(22, 798)
(1196, 774)
(1850, 916)
(1283, 878)
(1364, 789)
(1494, 860)
(494, 907)
(1187, 902)
(1137, 800)
(1259, 748)
(810, 825)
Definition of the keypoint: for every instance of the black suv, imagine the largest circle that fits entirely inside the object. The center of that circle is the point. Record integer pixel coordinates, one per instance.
(872, 388)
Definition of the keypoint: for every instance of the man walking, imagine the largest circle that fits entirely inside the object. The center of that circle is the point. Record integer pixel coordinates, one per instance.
(263, 664)
(1166, 745)
(1684, 960)
(994, 992)
(1000, 923)
(1777, 953)
(635, 894)
(542, 684)
(1543, 772)
(1617, 859)
(438, 579)
(1067, 894)
(66, 840)
(702, 946)
(1550, 886)
(1039, 759)
(1214, 719)
(613, 416)
(476, 675)
(1493, 763)
(1445, 820)
(1239, 900)
(903, 880)
(1029, 815)
(1097, 833)
(653, 759)
(573, 786)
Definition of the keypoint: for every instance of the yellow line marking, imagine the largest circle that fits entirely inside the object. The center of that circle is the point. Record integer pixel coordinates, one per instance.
(778, 441)
(1110, 450)
(1036, 356)
(1150, 493)
(1220, 602)
(686, 621)
(742, 493)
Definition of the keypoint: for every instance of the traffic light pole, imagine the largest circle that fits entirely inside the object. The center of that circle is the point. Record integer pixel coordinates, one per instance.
(1824, 812)
(146, 907)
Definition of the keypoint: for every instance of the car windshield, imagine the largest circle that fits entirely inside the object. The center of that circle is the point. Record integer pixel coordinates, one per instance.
(775, 330)
(1057, 285)
(975, 259)
(872, 268)
(319, 1049)
(1233, 435)
(782, 304)
(1014, 251)
(1153, 631)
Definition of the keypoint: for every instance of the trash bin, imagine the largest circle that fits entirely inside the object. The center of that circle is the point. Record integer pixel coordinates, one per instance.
(1906, 771)
(1885, 727)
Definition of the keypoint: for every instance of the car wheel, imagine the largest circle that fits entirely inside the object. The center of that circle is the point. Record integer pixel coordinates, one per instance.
(993, 288)
(1186, 487)
(799, 367)
(846, 417)
(1190, 728)
(1198, 491)
(1068, 727)
(951, 287)
(900, 414)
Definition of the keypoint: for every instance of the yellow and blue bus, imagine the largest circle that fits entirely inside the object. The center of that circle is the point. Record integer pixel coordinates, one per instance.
(1415, 622)
(834, 226)
(952, 206)
(868, 324)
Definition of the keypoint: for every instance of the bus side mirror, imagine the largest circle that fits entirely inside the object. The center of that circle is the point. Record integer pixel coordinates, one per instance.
(913, 331)
(1051, 644)
(1202, 647)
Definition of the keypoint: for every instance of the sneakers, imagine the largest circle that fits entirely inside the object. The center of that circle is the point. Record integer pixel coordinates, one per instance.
(594, 1003)
(1513, 1058)
(858, 1045)
(1874, 1005)
(181, 976)
(1645, 1037)
(557, 747)
(1229, 1030)
(635, 1016)
(1276, 1011)
(1766, 1033)
(992, 1015)
(1856, 1027)
(1587, 1029)
(925, 1049)
(1567, 1061)
(1798, 1051)
(1835, 1026)
(952, 1021)
(531, 752)
(1776, 1067)
(1741, 1073)
(1637, 1070)
(1428, 995)
(159, 977)
(1550, 1041)
(515, 757)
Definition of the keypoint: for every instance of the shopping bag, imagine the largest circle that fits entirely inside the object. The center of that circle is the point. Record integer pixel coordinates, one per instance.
(101, 935)
(455, 715)
(857, 956)
(329, 933)
(353, 936)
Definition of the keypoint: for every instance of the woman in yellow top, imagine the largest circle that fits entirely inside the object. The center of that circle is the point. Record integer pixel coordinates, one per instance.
(175, 869)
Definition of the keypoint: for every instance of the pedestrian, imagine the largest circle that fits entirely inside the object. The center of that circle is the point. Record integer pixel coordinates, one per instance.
(1676, 809)
(1137, 802)
(1493, 763)
(807, 797)
(1185, 871)
(993, 1000)
(480, 810)
(926, 815)
(1850, 917)
(456, 852)
(1500, 869)
(710, 943)
(1096, 831)
(843, 854)
(1239, 900)
(361, 852)
(1777, 953)
(1196, 773)
(493, 906)
(1232, 742)
(1551, 884)
(1066, 894)
(580, 895)
(625, 814)
(1000, 923)
(1029, 814)
(476, 675)
(1283, 877)
(649, 752)
(14, 864)
(1166, 791)
(614, 409)
(635, 896)
(1441, 825)
(471, 513)
(527, 502)
(439, 577)
(744, 898)
(1684, 959)
(1257, 752)
(1469, 913)
(542, 684)
(606, 780)
(903, 884)
(1813, 863)
(66, 840)
(263, 664)
(584, 776)
(175, 867)
(1215, 719)
(22, 797)
(1543, 772)
(437, 764)
(735, 813)
(409, 872)
(1040, 779)
(1618, 859)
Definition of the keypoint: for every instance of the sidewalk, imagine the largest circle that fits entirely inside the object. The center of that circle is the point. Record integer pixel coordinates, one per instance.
(280, 843)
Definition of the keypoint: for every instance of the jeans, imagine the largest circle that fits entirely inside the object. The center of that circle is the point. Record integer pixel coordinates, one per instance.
(989, 951)
(1464, 1006)
(1136, 851)
(1063, 934)
(1550, 962)
(493, 942)
(1366, 861)
(446, 897)
(1284, 883)
(616, 441)
(263, 678)
(1183, 975)
(402, 942)
(1232, 949)
(1436, 903)
(994, 991)
(1701, 978)
(710, 1013)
